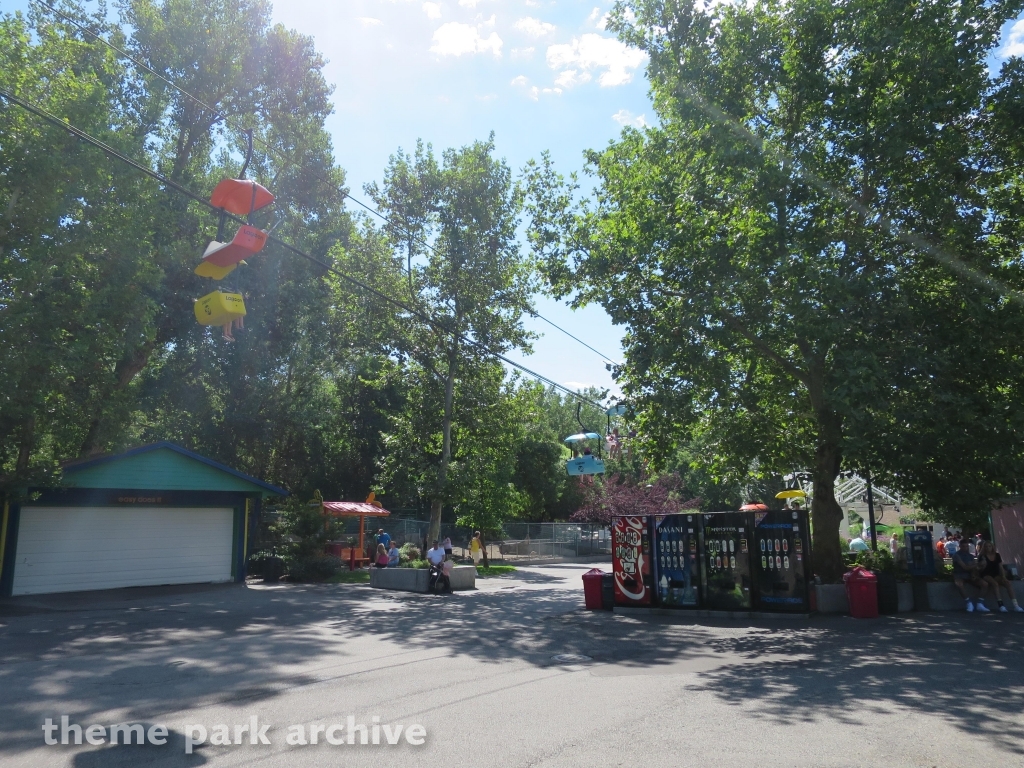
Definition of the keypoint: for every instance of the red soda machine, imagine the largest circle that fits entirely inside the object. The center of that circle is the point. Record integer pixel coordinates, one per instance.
(631, 560)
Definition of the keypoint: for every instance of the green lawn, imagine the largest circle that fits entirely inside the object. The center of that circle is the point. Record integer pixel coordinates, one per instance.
(494, 570)
(350, 577)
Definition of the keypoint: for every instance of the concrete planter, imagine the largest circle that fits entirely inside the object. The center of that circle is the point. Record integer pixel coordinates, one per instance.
(942, 596)
(417, 579)
(832, 598)
(906, 596)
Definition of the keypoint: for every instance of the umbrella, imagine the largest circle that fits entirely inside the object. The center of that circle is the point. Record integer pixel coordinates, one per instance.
(791, 494)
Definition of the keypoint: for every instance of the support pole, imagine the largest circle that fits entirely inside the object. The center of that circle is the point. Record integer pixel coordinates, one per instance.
(362, 531)
(871, 514)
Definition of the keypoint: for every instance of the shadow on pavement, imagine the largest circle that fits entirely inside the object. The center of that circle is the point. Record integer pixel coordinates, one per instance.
(135, 656)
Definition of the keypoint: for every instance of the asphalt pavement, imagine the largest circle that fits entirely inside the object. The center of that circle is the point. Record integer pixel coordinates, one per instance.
(515, 673)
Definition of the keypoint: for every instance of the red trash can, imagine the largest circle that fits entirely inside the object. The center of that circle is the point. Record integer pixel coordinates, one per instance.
(592, 589)
(862, 592)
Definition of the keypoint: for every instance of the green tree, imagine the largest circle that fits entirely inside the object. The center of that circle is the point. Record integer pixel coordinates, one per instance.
(807, 230)
(75, 282)
(472, 280)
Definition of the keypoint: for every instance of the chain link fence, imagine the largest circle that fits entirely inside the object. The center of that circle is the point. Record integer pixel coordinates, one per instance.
(516, 542)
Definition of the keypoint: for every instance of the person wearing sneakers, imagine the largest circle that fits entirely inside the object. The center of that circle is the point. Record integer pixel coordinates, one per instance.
(992, 571)
(965, 569)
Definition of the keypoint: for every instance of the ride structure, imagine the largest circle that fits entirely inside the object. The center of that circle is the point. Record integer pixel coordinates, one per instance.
(586, 463)
(240, 197)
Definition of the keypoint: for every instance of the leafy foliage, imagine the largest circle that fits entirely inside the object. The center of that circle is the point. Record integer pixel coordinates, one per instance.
(816, 251)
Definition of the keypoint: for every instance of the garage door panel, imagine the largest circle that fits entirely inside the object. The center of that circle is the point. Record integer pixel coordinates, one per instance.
(81, 548)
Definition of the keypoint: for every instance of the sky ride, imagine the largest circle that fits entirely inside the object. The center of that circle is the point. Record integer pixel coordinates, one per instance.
(240, 197)
(585, 463)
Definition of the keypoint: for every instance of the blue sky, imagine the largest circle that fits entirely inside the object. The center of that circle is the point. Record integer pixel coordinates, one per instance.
(541, 74)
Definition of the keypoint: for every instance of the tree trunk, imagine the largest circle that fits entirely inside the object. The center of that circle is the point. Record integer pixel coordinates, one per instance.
(826, 514)
(127, 369)
(437, 503)
(28, 434)
(483, 550)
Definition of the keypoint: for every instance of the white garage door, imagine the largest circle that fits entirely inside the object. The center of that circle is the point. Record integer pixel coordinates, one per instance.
(70, 549)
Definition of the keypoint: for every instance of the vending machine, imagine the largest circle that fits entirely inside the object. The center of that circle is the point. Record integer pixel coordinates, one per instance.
(677, 560)
(631, 560)
(725, 561)
(782, 562)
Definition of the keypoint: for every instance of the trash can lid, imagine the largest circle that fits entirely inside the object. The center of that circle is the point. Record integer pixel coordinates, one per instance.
(594, 572)
(859, 574)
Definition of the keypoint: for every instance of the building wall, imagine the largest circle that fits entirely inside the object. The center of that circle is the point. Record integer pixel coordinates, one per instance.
(1008, 529)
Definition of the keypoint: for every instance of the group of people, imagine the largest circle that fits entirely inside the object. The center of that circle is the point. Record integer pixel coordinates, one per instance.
(975, 561)
(979, 564)
(439, 557)
(387, 555)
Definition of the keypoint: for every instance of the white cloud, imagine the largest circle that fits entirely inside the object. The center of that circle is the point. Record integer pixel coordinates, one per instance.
(571, 77)
(369, 21)
(433, 10)
(455, 39)
(624, 117)
(553, 91)
(519, 80)
(534, 27)
(523, 53)
(1014, 45)
(468, 3)
(592, 51)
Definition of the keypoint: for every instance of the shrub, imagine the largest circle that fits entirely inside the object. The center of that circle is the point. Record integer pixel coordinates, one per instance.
(877, 561)
(266, 565)
(314, 568)
(409, 552)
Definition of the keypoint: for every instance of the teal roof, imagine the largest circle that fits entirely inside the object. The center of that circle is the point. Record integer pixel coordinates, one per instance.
(163, 466)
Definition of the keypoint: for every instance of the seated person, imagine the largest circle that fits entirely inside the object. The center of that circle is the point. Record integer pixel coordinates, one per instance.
(990, 563)
(394, 556)
(965, 569)
(435, 556)
(381, 560)
(446, 572)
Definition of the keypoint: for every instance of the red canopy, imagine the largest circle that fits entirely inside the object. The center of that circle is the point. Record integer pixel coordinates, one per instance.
(354, 509)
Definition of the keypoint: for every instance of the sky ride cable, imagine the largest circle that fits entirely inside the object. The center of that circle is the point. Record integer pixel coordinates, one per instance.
(160, 178)
(287, 160)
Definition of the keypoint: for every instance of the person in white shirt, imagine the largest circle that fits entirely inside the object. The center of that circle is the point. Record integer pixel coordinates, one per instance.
(894, 544)
(435, 556)
(951, 547)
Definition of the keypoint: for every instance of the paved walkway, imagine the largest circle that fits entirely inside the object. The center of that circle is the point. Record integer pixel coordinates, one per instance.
(478, 671)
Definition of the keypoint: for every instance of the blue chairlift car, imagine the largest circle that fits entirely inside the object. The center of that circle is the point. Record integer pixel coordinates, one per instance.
(587, 463)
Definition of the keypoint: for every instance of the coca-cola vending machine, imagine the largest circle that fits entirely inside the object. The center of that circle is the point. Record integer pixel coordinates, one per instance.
(782, 560)
(676, 560)
(631, 560)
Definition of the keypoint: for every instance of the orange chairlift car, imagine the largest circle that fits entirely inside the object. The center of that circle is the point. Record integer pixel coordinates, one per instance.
(241, 197)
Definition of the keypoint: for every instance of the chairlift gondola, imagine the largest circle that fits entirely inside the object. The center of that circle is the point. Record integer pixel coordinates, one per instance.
(586, 463)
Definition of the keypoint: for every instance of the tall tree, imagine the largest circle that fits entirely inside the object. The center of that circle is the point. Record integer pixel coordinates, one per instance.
(473, 281)
(807, 231)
